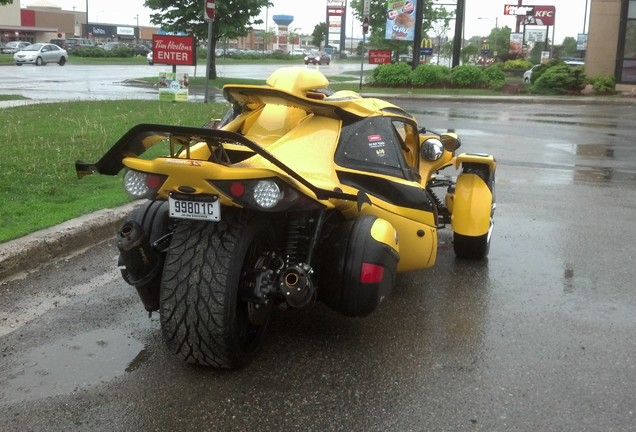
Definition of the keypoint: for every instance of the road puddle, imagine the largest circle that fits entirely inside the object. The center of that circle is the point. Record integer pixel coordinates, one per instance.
(63, 367)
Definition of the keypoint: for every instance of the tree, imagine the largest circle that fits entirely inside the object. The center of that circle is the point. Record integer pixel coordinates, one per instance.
(6, 2)
(234, 18)
(469, 52)
(318, 36)
(440, 28)
(569, 47)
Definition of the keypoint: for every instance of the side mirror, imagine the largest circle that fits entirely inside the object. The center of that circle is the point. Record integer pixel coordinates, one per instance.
(432, 149)
(450, 141)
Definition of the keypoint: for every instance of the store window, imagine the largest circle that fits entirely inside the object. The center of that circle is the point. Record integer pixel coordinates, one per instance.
(627, 69)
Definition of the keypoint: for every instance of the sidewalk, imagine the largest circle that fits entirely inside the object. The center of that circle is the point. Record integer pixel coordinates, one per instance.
(24, 254)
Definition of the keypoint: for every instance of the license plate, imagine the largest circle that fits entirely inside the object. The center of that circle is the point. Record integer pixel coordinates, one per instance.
(208, 208)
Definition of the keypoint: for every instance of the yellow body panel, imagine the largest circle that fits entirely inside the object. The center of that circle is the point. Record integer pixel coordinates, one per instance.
(382, 231)
(488, 160)
(417, 241)
(471, 206)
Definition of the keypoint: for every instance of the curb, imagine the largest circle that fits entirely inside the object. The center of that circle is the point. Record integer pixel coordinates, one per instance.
(23, 254)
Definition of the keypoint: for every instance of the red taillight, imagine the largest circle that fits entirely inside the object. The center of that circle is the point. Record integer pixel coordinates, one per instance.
(371, 273)
(237, 189)
(154, 182)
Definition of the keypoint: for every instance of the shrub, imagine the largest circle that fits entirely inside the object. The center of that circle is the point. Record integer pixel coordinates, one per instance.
(90, 52)
(392, 75)
(123, 51)
(605, 84)
(428, 75)
(517, 64)
(280, 55)
(495, 76)
(559, 79)
(468, 75)
(101, 53)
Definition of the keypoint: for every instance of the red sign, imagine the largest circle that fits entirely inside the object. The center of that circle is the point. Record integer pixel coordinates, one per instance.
(209, 9)
(335, 11)
(174, 50)
(542, 16)
(518, 9)
(379, 56)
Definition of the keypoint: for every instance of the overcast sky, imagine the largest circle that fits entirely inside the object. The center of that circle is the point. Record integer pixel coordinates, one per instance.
(307, 13)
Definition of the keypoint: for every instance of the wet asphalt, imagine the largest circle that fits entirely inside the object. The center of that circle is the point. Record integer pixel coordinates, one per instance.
(539, 337)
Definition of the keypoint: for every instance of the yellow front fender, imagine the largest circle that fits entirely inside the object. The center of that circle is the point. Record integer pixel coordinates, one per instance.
(472, 206)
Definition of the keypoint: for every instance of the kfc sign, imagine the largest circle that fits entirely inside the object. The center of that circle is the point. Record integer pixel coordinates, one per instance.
(518, 10)
(174, 50)
(542, 16)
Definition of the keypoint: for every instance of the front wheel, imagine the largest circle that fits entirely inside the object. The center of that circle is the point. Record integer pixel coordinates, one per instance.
(39, 61)
(62, 61)
(204, 319)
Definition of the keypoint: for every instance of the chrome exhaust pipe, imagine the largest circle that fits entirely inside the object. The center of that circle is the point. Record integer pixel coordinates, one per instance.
(297, 287)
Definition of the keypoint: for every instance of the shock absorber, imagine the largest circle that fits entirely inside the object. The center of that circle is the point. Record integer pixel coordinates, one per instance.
(295, 282)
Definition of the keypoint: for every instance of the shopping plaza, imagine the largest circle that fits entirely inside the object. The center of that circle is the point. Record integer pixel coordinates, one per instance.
(611, 38)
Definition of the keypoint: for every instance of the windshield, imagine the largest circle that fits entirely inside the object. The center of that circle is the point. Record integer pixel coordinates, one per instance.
(33, 47)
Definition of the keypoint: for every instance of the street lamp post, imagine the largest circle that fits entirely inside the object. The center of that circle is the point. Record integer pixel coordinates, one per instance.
(86, 19)
(138, 35)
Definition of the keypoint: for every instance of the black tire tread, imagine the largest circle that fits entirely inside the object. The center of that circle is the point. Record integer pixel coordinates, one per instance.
(199, 294)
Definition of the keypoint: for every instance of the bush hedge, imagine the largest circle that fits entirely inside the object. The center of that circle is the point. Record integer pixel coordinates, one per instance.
(468, 75)
(559, 78)
(428, 75)
(121, 52)
(603, 84)
(393, 74)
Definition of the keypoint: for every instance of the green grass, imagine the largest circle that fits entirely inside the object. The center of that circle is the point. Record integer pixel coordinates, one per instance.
(4, 97)
(38, 184)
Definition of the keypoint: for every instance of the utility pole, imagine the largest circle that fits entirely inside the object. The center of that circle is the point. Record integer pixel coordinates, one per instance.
(459, 34)
(417, 37)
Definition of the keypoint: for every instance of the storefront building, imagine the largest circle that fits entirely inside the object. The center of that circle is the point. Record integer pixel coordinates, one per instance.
(611, 43)
(41, 23)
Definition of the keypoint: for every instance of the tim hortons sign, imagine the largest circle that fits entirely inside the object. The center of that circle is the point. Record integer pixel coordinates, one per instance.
(174, 50)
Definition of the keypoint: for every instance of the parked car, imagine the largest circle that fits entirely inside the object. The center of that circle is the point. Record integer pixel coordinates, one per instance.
(14, 46)
(527, 75)
(151, 58)
(140, 49)
(298, 52)
(40, 54)
(318, 58)
(108, 46)
(73, 44)
(59, 42)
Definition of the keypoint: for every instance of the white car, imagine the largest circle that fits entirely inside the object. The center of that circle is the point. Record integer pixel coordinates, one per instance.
(40, 54)
(527, 75)
(14, 46)
(150, 58)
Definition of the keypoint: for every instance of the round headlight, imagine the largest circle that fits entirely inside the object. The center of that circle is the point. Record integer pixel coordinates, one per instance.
(266, 194)
(432, 149)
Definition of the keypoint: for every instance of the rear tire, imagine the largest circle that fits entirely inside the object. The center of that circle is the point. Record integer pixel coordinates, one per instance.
(62, 61)
(204, 320)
